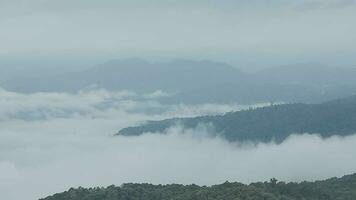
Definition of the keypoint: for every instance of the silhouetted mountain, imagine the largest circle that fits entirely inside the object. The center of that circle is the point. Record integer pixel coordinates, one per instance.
(196, 82)
(308, 83)
(265, 124)
(332, 189)
(251, 92)
(137, 75)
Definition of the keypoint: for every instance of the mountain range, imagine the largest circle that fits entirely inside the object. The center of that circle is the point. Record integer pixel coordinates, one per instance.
(196, 82)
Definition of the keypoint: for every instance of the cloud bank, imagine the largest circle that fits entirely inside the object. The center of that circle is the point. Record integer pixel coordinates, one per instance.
(50, 142)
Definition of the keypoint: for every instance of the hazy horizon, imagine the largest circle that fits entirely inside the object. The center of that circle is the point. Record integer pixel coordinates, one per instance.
(246, 34)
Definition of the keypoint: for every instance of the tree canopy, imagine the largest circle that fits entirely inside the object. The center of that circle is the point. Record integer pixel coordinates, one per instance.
(332, 189)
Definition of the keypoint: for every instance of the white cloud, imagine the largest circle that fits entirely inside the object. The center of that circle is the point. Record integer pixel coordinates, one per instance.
(93, 104)
(157, 94)
(53, 164)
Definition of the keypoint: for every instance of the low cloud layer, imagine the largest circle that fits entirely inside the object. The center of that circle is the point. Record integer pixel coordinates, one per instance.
(50, 142)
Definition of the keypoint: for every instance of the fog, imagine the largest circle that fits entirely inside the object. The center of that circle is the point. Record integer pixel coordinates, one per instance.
(50, 142)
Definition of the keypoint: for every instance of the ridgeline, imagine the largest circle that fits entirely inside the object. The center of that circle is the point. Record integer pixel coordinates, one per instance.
(272, 123)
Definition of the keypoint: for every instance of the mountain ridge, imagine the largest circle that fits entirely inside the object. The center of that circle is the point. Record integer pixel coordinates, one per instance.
(266, 124)
(201, 81)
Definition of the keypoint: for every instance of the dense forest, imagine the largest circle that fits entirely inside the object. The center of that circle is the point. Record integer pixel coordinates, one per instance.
(332, 189)
(272, 123)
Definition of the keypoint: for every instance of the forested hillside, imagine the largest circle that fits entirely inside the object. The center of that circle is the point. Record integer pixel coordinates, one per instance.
(265, 124)
(332, 189)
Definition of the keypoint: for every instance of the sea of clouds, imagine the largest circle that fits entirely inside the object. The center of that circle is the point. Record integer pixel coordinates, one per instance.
(50, 142)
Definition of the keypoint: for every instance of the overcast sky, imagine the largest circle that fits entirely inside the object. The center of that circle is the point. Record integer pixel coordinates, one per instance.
(242, 32)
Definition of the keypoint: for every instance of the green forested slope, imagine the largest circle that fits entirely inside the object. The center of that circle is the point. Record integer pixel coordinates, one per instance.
(265, 124)
(332, 189)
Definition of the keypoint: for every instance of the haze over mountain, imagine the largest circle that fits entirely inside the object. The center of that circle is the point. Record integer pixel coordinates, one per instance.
(136, 75)
(266, 124)
(312, 74)
(196, 82)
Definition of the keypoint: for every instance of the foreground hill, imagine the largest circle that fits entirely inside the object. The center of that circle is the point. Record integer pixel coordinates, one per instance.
(332, 189)
(265, 124)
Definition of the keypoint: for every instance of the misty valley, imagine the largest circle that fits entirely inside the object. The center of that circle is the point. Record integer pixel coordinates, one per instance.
(88, 137)
(177, 100)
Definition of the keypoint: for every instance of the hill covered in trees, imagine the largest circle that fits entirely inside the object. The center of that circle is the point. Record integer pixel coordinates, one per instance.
(332, 189)
(265, 124)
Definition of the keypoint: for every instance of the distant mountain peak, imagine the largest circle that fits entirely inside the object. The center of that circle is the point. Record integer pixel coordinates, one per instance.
(127, 61)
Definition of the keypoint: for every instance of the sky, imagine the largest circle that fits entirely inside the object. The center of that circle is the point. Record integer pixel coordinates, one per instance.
(244, 33)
